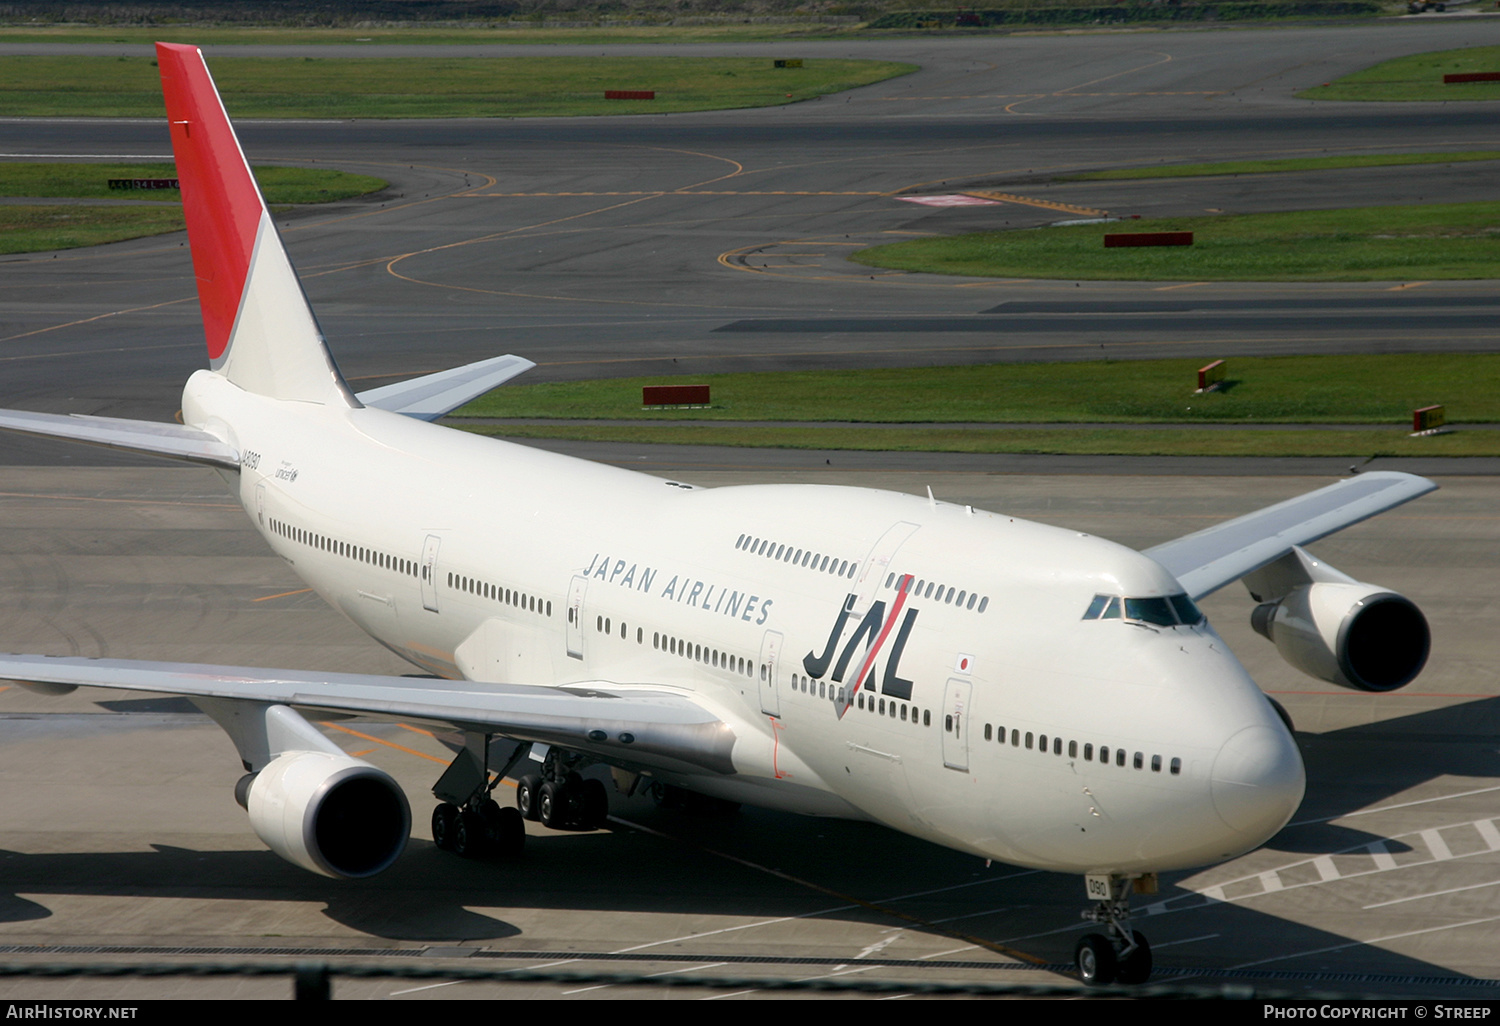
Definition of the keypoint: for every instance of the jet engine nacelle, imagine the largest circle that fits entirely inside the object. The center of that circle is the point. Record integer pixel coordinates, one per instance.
(332, 814)
(1354, 635)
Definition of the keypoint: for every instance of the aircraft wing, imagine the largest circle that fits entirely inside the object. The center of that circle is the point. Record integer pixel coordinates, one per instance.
(647, 728)
(174, 440)
(432, 395)
(1207, 560)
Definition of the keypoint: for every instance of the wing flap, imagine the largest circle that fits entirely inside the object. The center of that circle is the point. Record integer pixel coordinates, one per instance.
(1209, 559)
(172, 440)
(623, 725)
(432, 395)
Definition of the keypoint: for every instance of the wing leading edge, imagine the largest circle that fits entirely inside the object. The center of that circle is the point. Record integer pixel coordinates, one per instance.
(432, 395)
(1207, 560)
(626, 727)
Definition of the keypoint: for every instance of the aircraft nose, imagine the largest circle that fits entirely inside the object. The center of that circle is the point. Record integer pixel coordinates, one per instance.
(1258, 781)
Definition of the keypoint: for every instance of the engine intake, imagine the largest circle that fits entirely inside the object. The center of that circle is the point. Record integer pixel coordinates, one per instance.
(1354, 635)
(331, 814)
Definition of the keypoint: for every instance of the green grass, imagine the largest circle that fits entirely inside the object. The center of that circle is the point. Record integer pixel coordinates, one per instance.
(1457, 240)
(91, 181)
(1419, 77)
(198, 35)
(1095, 441)
(307, 87)
(1379, 389)
(26, 228)
(1261, 167)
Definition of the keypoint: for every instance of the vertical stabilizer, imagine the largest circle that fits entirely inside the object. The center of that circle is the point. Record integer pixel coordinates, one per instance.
(262, 334)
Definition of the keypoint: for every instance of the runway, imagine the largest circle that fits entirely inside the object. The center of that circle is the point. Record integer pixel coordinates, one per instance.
(694, 243)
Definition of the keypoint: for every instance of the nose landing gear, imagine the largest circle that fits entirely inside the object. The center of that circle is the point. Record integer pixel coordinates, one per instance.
(1122, 956)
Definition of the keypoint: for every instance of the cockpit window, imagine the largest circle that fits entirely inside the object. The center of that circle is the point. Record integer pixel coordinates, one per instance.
(1150, 610)
(1187, 611)
(1166, 611)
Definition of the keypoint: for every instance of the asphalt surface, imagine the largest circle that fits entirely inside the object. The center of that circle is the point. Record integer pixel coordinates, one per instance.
(619, 246)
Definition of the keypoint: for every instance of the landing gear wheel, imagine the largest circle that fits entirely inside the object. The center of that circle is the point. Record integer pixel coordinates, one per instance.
(469, 835)
(593, 805)
(444, 822)
(1095, 958)
(527, 795)
(1136, 966)
(506, 829)
(552, 806)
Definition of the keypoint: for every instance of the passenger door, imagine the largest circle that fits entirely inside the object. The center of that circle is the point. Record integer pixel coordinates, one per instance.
(574, 632)
(956, 724)
(770, 653)
(429, 573)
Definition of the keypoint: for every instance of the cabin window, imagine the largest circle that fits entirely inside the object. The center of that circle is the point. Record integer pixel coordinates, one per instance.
(984, 602)
(1155, 764)
(1072, 749)
(926, 717)
(988, 731)
(1139, 761)
(1176, 766)
(1028, 739)
(1041, 743)
(1088, 753)
(1104, 754)
(1119, 756)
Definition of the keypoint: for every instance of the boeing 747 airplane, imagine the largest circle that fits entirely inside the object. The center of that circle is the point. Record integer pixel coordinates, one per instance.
(1011, 690)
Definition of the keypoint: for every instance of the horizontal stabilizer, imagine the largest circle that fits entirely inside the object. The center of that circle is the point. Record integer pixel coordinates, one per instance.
(432, 395)
(625, 726)
(174, 440)
(1209, 559)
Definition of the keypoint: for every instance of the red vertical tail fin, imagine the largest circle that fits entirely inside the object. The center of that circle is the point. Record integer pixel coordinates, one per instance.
(261, 331)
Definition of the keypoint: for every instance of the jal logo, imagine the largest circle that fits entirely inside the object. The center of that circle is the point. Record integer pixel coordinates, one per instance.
(877, 629)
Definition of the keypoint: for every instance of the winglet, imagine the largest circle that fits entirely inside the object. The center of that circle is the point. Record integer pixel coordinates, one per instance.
(261, 332)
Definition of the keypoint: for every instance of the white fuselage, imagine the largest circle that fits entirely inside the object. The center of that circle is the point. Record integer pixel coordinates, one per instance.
(467, 555)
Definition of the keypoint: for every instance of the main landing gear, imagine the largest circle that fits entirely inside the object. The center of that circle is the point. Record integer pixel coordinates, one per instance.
(559, 797)
(1121, 956)
(469, 822)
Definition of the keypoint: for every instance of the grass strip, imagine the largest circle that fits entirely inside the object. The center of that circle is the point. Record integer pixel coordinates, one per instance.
(28, 228)
(1353, 389)
(308, 87)
(1418, 77)
(1261, 167)
(411, 35)
(1090, 441)
(1403, 243)
(91, 181)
